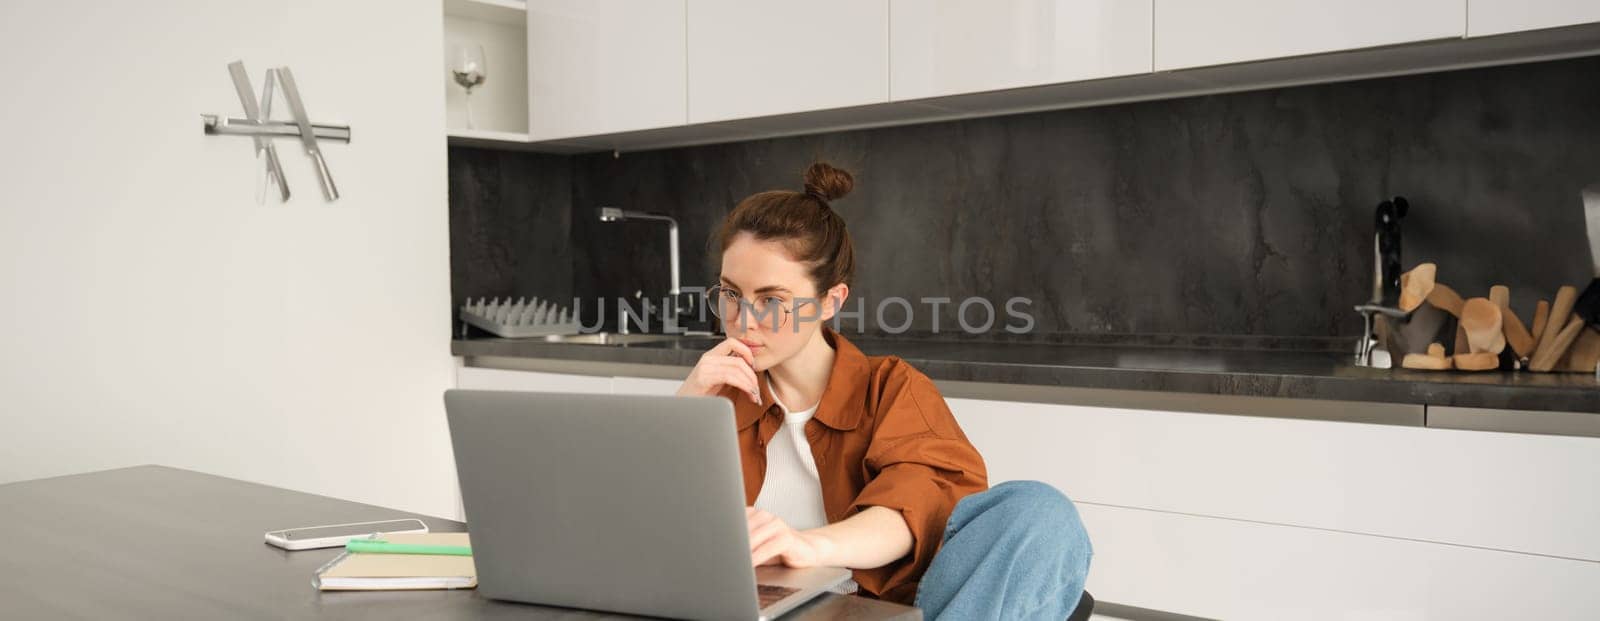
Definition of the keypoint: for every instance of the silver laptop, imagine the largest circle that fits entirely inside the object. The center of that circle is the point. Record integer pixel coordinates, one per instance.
(630, 504)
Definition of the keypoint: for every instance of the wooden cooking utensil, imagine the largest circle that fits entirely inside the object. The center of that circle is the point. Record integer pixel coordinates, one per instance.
(1517, 335)
(1415, 285)
(1546, 357)
(1445, 298)
(1583, 354)
(1434, 360)
(1560, 310)
(1541, 316)
(1481, 361)
(1500, 295)
(1482, 321)
(1424, 362)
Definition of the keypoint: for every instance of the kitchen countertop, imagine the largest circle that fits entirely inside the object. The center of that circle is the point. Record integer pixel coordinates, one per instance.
(1284, 372)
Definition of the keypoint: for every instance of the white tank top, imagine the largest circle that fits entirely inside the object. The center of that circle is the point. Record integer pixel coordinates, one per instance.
(791, 489)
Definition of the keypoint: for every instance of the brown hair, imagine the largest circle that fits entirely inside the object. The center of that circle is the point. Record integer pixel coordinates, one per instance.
(804, 222)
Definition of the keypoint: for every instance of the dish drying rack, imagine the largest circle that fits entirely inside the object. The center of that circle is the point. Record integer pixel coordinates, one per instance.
(519, 319)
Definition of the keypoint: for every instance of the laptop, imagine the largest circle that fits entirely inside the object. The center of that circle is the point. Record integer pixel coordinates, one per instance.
(619, 503)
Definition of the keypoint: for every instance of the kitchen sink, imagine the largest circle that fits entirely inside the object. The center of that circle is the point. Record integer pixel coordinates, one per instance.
(612, 338)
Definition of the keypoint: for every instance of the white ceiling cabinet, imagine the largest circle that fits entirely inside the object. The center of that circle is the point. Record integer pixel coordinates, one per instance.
(1197, 34)
(633, 74)
(1490, 17)
(939, 47)
(605, 66)
(750, 58)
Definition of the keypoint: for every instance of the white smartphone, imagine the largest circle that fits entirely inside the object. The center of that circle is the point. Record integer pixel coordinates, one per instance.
(336, 535)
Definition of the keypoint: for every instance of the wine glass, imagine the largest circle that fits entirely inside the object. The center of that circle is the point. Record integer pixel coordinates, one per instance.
(469, 69)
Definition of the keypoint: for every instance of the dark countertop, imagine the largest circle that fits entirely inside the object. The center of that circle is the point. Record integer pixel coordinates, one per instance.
(1286, 371)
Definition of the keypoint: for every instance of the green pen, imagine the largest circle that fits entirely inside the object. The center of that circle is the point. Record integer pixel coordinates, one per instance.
(379, 546)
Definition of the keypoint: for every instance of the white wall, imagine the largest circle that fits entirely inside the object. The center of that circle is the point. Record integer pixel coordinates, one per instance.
(154, 313)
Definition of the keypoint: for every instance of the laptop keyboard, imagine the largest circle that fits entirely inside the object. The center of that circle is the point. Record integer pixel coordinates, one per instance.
(769, 594)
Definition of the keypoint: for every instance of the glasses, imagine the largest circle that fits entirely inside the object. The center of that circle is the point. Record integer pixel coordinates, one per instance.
(770, 309)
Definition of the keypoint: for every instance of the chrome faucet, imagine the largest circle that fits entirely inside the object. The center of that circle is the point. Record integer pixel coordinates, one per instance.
(1385, 279)
(618, 214)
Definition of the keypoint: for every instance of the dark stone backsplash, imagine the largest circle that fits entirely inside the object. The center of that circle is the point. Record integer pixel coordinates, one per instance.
(1237, 214)
(510, 225)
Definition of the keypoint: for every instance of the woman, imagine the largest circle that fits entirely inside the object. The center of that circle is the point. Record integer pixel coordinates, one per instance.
(856, 461)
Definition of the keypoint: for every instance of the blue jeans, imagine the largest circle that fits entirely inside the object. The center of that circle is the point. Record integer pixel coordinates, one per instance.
(1016, 551)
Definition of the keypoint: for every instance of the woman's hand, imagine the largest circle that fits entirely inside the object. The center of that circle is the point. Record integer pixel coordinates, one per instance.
(872, 538)
(773, 542)
(730, 363)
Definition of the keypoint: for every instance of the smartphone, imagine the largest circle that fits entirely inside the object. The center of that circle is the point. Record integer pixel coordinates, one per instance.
(335, 535)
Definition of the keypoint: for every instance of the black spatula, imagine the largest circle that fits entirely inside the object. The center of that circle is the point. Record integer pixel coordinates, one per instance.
(1588, 305)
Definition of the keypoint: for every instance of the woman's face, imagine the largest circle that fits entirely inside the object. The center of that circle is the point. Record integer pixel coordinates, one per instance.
(781, 309)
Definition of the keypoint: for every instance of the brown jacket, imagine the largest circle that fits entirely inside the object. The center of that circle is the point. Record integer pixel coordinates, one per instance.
(882, 436)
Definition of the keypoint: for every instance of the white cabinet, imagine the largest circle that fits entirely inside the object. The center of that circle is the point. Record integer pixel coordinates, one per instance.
(963, 46)
(499, 106)
(1516, 492)
(1489, 17)
(1215, 32)
(1251, 517)
(630, 75)
(605, 66)
(1231, 569)
(751, 58)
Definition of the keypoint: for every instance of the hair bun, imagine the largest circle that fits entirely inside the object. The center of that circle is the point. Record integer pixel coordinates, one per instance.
(830, 183)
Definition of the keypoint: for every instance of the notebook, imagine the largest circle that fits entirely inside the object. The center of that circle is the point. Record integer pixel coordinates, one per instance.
(384, 572)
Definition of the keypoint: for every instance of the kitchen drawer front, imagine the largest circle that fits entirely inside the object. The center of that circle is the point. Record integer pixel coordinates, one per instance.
(1515, 492)
(1228, 569)
(949, 47)
(1515, 421)
(1197, 34)
(476, 378)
